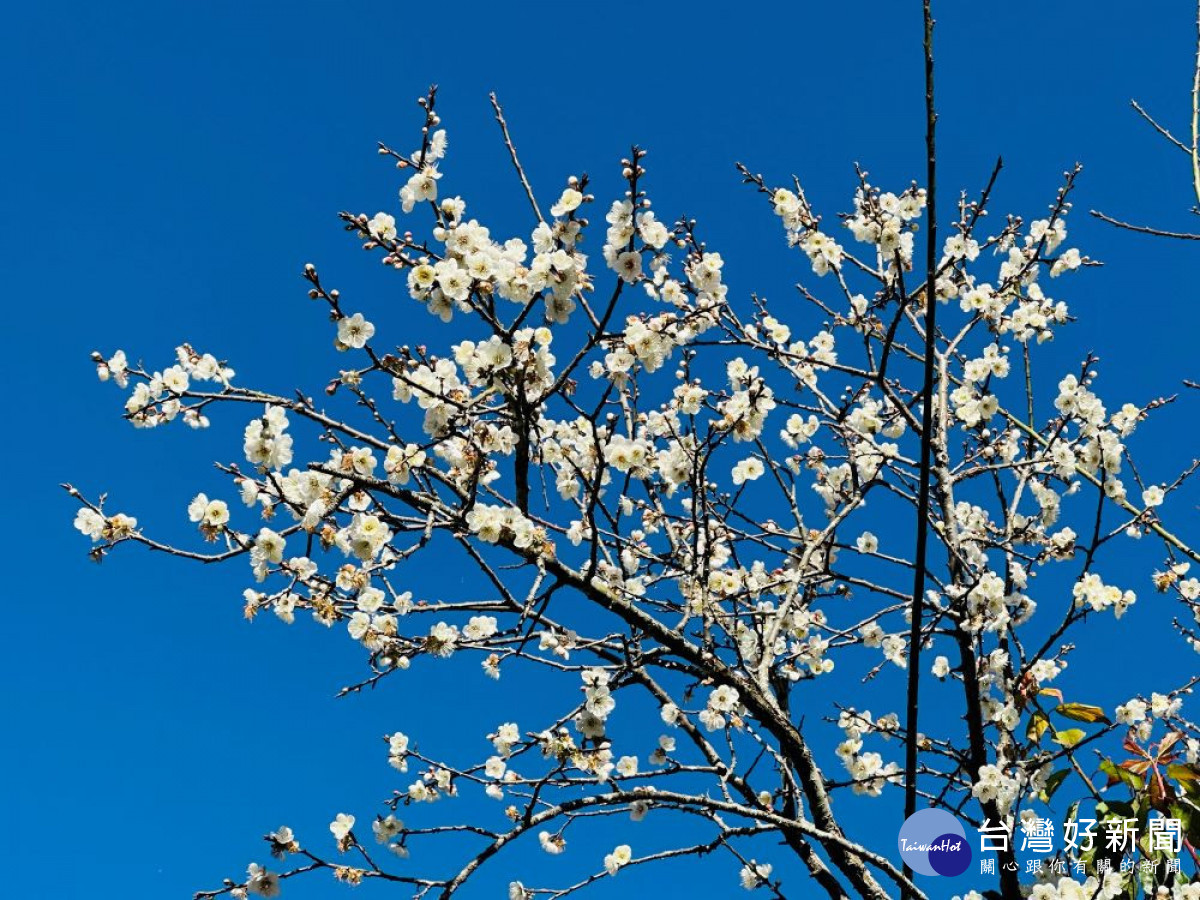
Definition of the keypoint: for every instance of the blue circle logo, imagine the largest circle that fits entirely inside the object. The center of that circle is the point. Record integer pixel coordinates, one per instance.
(933, 842)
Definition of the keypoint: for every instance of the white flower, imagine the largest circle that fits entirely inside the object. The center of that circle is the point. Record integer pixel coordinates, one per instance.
(90, 522)
(265, 444)
(479, 628)
(653, 232)
(941, 667)
(960, 247)
(175, 379)
(269, 546)
(341, 825)
(627, 766)
(872, 635)
(628, 265)
(1153, 496)
(437, 146)
(213, 513)
(358, 625)
(994, 786)
(755, 874)
(354, 331)
(261, 882)
(867, 543)
(121, 526)
(370, 599)
(1069, 261)
(383, 227)
(442, 640)
(568, 202)
(552, 843)
(619, 857)
(116, 368)
(823, 252)
(723, 699)
(400, 462)
(506, 736)
(386, 828)
(1163, 706)
(748, 469)
(893, 650)
(1090, 590)
(422, 186)
(1132, 712)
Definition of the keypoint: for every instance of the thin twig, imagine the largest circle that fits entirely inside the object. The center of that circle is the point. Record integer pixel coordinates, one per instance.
(512, 152)
(1159, 128)
(1145, 229)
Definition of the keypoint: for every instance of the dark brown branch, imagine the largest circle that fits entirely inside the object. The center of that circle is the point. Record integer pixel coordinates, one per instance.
(927, 426)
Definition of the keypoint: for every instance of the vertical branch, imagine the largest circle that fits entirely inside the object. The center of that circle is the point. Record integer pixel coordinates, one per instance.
(1196, 114)
(927, 425)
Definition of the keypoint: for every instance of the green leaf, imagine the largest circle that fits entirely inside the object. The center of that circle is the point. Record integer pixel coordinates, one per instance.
(1053, 783)
(1070, 737)
(1190, 823)
(1183, 814)
(1116, 773)
(1038, 723)
(1183, 772)
(1082, 712)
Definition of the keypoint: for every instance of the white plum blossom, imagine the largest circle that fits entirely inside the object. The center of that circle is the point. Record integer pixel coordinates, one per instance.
(210, 513)
(341, 825)
(749, 469)
(383, 226)
(421, 187)
(754, 875)
(993, 786)
(610, 469)
(262, 883)
(620, 856)
(507, 735)
(354, 331)
(567, 203)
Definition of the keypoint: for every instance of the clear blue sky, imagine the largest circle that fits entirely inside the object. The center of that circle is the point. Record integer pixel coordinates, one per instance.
(168, 169)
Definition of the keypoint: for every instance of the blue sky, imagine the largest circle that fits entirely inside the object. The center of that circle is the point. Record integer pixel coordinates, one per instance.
(172, 168)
